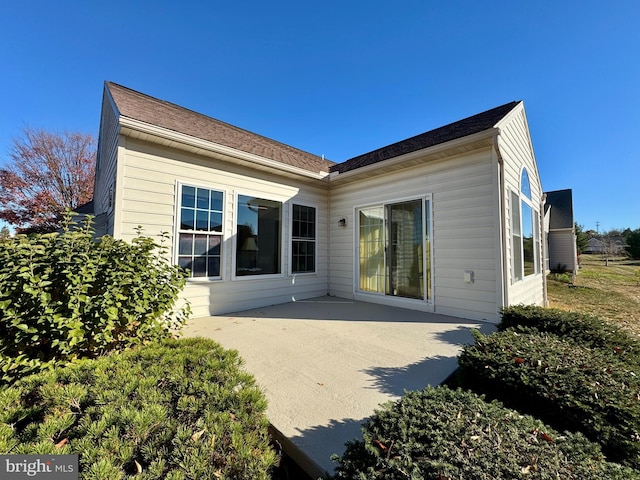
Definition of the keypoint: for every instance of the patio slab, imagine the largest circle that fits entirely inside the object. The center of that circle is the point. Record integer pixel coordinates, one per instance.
(327, 363)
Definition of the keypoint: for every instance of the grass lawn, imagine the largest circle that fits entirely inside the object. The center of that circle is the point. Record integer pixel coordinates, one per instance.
(609, 292)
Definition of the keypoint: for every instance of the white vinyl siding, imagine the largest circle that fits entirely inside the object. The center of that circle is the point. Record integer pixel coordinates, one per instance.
(516, 150)
(463, 231)
(468, 186)
(151, 174)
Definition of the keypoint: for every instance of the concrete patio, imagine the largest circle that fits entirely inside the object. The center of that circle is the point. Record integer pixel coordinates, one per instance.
(326, 364)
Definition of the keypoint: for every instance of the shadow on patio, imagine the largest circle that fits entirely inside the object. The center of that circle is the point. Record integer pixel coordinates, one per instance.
(326, 364)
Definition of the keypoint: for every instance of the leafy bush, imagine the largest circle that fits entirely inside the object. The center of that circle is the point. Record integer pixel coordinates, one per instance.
(566, 384)
(66, 296)
(561, 277)
(182, 409)
(440, 433)
(584, 329)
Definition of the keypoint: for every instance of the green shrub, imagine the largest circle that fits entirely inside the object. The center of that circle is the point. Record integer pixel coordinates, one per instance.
(566, 384)
(65, 296)
(182, 409)
(440, 433)
(584, 329)
(563, 277)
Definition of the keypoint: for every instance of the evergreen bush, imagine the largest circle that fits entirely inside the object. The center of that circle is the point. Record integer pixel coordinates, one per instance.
(566, 384)
(180, 409)
(587, 330)
(440, 434)
(65, 296)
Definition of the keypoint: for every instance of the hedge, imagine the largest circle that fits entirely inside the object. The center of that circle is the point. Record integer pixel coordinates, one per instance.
(440, 433)
(65, 296)
(564, 383)
(585, 329)
(182, 409)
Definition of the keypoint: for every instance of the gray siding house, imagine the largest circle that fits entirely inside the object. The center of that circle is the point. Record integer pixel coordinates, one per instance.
(448, 221)
(561, 232)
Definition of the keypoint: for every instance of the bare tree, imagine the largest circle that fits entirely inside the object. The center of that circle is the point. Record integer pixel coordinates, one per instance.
(49, 173)
(612, 246)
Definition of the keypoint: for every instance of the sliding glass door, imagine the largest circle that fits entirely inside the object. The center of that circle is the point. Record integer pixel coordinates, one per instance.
(394, 249)
(372, 249)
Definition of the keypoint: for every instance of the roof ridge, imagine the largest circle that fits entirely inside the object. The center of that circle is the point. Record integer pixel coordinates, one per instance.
(458, 129)
(221, 122)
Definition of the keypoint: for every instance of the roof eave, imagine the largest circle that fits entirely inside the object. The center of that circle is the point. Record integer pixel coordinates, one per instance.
(433, 150)
(129, 125)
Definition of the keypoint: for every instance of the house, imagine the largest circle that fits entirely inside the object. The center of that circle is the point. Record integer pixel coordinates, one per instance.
(448, 221)
(560, 230)
(606, 244)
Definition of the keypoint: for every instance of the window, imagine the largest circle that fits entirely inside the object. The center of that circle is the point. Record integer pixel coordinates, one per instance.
(258, 236)
(200, 231)
(516, 236)
(525, 231)
(303, 239)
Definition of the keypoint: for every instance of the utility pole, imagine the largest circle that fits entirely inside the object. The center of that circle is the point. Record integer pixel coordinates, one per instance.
(598, 228)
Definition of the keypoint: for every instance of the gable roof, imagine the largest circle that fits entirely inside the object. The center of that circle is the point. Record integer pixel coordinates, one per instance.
(561, 203)
(150, 110)
(462, 128)
(166, 115)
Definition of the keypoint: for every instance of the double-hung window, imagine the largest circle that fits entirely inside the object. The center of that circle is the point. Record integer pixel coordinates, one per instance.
(303, 239)
(200, 231)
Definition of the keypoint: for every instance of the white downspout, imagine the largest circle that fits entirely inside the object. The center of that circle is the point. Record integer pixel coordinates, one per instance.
(504, 290)
(543, 241)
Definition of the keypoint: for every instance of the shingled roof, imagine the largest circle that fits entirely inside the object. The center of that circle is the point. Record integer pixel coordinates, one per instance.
(561, 203)
(462, 128)
(150, 110)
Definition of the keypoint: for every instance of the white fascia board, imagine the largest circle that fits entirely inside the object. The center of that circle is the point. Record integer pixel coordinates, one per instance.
(154, 130)
(491, 132)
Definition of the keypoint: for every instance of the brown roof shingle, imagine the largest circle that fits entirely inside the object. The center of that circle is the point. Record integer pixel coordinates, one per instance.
(462, 128)
(145, 108)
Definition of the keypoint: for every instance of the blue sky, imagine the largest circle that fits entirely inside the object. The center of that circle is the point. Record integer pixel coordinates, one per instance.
(343, 78)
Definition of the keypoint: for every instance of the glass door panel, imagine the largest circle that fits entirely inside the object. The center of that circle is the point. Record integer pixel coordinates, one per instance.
(405, 253)
(372, 248)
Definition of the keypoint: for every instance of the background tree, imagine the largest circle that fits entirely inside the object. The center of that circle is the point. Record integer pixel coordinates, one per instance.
(582, 240)
(49, 172)
(632, 240)
(5, 233)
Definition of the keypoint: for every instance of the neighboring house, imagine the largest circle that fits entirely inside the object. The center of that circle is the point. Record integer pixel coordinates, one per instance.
(561, 233)
(447, 221)
(607, 244)
(594, 245)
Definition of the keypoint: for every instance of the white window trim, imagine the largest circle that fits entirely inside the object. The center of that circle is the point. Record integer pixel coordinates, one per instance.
(234, 246)
(291, 240)
(536, 229)
(514, 279)
(390, 299)
(177, 230)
